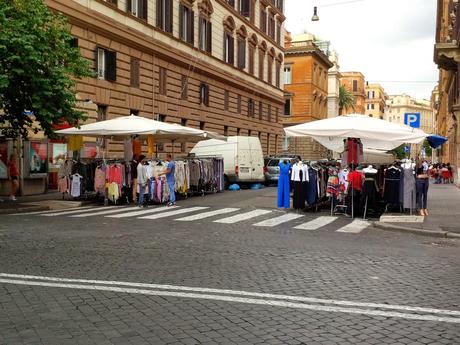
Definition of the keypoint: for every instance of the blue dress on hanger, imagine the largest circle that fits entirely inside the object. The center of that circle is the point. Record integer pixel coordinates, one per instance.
(284, 186)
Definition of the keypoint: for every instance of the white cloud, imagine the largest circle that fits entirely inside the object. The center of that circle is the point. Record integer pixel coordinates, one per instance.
(386, 40)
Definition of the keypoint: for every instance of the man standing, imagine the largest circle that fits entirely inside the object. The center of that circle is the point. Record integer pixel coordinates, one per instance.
(141, 179)
(171, 179)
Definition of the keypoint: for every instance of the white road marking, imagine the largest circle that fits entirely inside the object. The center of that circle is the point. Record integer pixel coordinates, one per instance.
(279, 220)
(49, 211)
(173, 213)
(317, 223)
(77, 211)
(264, 302)
(207, 214)
(238, 293)
(143, 211)
(355, 227)
(100, 213)
(242, 216)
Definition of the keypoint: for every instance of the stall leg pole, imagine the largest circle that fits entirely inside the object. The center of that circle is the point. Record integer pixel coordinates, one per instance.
(365, 208)
(332, 205)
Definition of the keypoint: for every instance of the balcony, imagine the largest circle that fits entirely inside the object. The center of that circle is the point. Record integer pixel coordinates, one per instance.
(447, 55)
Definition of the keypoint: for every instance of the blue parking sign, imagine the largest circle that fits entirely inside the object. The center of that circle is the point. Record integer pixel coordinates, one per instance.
(412, 119)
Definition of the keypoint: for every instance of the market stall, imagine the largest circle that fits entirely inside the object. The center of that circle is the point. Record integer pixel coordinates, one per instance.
(352, 186)
(113, 177)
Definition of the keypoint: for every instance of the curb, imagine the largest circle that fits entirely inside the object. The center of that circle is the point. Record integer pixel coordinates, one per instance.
(431, 233)
(23, 209)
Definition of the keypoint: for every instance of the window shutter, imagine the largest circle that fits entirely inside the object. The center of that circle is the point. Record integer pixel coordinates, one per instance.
(209, 38)
(169, 16)
(96, 59)
(191, 27)
(135, 64)
(111, 65)
(144, 9)
(181, 22)
(129, 6)
(160, 13)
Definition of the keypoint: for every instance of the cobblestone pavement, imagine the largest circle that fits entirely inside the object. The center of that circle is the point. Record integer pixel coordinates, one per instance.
(331, 271)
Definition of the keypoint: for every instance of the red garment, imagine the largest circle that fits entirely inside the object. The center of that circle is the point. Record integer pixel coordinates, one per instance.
(114, 174)
(355, 180)
(137, 148)
(13, 169)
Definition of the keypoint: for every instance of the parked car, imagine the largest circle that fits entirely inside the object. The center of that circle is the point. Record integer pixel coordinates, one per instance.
(243, 157)
(271, 169)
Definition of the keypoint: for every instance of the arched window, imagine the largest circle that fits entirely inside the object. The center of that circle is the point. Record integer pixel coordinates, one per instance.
(252, 52)
(242, 35)
(262, 51)
(229, 50)
(270, 59)
(205, 26)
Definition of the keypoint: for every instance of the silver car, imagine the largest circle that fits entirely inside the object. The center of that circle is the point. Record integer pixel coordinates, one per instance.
(272, 170)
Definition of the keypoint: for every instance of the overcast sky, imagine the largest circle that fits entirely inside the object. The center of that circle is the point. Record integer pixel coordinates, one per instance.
(389, 41)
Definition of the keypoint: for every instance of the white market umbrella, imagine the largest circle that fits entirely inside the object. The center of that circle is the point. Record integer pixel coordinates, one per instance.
(374, 133)
(125, 126)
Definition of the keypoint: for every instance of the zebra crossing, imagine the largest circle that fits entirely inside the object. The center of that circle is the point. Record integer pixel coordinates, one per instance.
(261, 218)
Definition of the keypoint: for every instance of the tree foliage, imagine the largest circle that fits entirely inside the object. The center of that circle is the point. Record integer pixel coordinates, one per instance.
(399, 152)
(346, 99)
(38, 69)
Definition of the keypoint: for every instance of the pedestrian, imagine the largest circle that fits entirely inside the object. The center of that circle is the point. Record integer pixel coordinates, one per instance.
(141, 179)
(451, 175)
(134, 163)
(13, 175)
(284, 185)
(171, 179)
(445, 174)
(422, 183)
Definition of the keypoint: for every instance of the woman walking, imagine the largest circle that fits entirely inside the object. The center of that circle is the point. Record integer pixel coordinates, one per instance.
(422, 183)
(283, 185)
(13, 174)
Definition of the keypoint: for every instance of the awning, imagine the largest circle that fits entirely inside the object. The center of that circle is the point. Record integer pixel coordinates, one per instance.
(436, 141)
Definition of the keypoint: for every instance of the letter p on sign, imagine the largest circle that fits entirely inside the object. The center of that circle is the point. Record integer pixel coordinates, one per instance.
(412, 119)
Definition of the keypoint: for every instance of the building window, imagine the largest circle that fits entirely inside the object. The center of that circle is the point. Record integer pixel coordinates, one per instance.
(269, 112)
(183, 122)
(134, 71)
(249, 132)
(226, 99)
(202, 125)
(263, 20)
(372, 106)
(231, 3)
(261, 64)
(241, 53)
(205, 37)
(106, 64)
(251, 109)
(245, 8)
(252, 51)
(238, 131)
(261, 110)
(186, 24)
(276, 115)
(138, 8)
(288, 107)
(228, 48)
(162, 81)
(204, 94)
(277, 74)
(278, 33)
(184, 87)
(271, 26)
(355, 86)
(238, 104)
(270, 69)
(134, 112)
(226, 131)
(287, 75)
(165, 15)
(161, 118)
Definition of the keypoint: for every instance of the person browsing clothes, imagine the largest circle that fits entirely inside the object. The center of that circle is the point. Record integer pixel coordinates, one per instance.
(141, 179)
(171, 179)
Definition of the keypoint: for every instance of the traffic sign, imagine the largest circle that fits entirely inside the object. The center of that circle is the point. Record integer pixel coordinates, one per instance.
(412, 119)
(406, 149)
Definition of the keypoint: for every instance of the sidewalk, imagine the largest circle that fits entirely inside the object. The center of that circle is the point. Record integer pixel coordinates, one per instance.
(40, 202)
(444, 214)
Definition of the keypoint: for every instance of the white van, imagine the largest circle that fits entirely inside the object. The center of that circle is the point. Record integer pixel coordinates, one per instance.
(243, 157)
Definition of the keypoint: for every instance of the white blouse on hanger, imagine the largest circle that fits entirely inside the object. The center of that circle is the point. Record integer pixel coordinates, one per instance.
(295, 172)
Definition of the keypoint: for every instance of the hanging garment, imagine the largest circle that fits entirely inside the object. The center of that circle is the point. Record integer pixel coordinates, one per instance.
(333, 186)
(128, 149)
(113, 192)
(409, 192)
(391, 186)
(75, 143)
(312, 187)
(355, 180)
(369, 191)
(63, 185)
(299, 195)
(99, 180)
(284, 185)
(150, 145)
(75, 189)
(137, 147)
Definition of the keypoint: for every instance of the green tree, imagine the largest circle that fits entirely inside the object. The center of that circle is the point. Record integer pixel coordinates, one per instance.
(399, 152)
(346, 99)
(38, 68)
(428, 149)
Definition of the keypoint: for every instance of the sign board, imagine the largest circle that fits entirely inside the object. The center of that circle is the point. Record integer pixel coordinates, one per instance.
(406, 149)
(412, 119)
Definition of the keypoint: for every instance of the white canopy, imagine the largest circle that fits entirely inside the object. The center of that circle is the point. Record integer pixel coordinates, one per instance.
(124, 126)
(374, 133)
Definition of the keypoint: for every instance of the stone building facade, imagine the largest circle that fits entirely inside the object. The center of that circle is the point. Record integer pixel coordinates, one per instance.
(376, 98)
(355, 83)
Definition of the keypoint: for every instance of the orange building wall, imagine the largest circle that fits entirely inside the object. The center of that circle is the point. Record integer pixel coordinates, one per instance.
(360, 95)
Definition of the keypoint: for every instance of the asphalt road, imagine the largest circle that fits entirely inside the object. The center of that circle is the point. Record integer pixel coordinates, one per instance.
(224, 269)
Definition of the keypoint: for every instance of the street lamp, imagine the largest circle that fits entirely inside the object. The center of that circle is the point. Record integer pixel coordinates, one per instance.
(315, 17)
